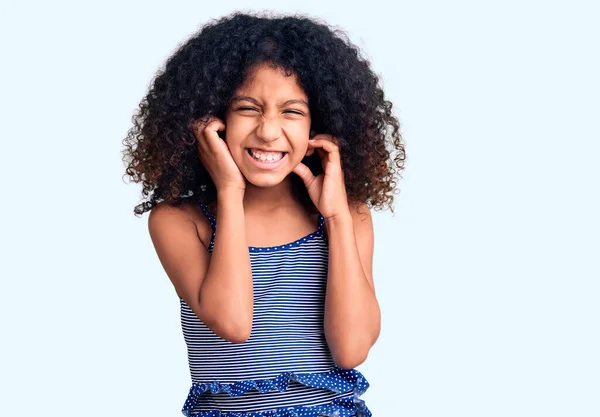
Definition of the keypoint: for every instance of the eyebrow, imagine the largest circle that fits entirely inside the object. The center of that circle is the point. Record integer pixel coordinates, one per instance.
(253, 100)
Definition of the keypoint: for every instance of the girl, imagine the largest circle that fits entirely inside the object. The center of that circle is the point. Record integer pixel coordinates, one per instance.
(264, 139)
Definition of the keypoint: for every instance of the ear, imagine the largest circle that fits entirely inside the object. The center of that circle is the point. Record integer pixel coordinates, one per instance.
(311, 135)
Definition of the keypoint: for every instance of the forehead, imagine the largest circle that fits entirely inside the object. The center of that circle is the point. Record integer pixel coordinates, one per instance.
(271, 83)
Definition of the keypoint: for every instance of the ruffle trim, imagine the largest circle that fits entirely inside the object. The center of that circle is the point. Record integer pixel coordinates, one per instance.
(338, 380)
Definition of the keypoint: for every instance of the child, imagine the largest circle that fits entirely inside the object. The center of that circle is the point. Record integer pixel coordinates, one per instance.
(265, 140)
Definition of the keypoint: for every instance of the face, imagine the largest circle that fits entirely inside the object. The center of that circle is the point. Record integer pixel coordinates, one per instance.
(268, 126)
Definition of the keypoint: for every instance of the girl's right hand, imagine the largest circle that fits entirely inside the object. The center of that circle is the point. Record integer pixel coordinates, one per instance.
(215, 156)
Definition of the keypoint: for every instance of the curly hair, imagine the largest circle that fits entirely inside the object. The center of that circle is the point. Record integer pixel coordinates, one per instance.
(202, 75)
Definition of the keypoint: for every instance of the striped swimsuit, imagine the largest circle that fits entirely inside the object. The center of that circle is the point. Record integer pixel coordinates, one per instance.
(285, 368)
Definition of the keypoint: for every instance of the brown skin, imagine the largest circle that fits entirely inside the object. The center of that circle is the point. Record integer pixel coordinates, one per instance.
(250, 202)
(264, 123)
(267, 123)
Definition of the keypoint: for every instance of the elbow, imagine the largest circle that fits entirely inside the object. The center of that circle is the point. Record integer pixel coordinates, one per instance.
(238, 335)
(350, 360)
(234, 332)
(234, 338)
(230, 327)
(349, 353)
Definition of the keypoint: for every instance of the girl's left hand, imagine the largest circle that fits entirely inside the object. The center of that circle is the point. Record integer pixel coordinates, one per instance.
(327, 190)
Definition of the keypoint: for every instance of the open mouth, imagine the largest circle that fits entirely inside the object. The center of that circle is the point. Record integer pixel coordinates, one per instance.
(266, 161)
(265, 156)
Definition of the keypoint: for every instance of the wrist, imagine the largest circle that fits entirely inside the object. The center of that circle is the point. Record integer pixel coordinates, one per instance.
(228, 193)
(339, 218)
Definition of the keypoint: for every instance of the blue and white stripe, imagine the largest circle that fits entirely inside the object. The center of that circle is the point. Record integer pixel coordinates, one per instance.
(287, 336)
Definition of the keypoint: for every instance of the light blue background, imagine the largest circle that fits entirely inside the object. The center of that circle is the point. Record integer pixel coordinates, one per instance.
(487, 276)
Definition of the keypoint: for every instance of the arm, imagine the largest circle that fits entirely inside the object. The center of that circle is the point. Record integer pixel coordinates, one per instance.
(217, 288)
(352, 315)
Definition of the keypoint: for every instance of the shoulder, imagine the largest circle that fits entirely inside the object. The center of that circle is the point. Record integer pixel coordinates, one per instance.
(365, 239)
(363, 226)
(360, 213)
(164, 212)
(361, 220)
(164, 216)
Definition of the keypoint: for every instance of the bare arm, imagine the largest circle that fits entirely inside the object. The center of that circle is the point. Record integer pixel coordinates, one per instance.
(217, 288)
(352, 315)
(227, 291)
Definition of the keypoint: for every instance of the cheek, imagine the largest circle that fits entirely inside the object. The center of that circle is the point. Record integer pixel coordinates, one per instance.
(300, 154)
(233, 137)
(235, 148)
(305, 149)
(233, 128)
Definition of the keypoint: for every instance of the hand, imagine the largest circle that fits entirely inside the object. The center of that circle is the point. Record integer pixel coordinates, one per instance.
(327, 190)
(215, 156)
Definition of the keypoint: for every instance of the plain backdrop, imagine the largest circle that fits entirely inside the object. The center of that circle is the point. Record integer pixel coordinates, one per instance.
(487, 275)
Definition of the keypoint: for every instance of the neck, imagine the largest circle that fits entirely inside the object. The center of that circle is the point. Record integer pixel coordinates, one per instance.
(267, 199)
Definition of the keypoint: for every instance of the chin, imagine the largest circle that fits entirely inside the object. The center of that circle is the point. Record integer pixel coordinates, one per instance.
(265, 181)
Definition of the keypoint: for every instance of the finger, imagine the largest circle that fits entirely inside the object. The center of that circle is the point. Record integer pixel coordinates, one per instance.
(326, 136)
(304, 173)
(207, 135)
(325, 144)
(327, 149)
(215, 125)
(208, 126)
(200, 124)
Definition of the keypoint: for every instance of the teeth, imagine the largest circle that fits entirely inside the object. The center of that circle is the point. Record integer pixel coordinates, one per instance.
(266, 156)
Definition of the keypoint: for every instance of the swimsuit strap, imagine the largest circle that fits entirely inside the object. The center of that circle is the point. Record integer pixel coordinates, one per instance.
(321, 224)
(209, 216)
(321, 228)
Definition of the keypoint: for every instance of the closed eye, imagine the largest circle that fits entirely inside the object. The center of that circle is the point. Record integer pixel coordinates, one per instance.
(287, 111)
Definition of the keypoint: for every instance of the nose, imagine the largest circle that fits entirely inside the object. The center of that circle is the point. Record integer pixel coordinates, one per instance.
(269, 129)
